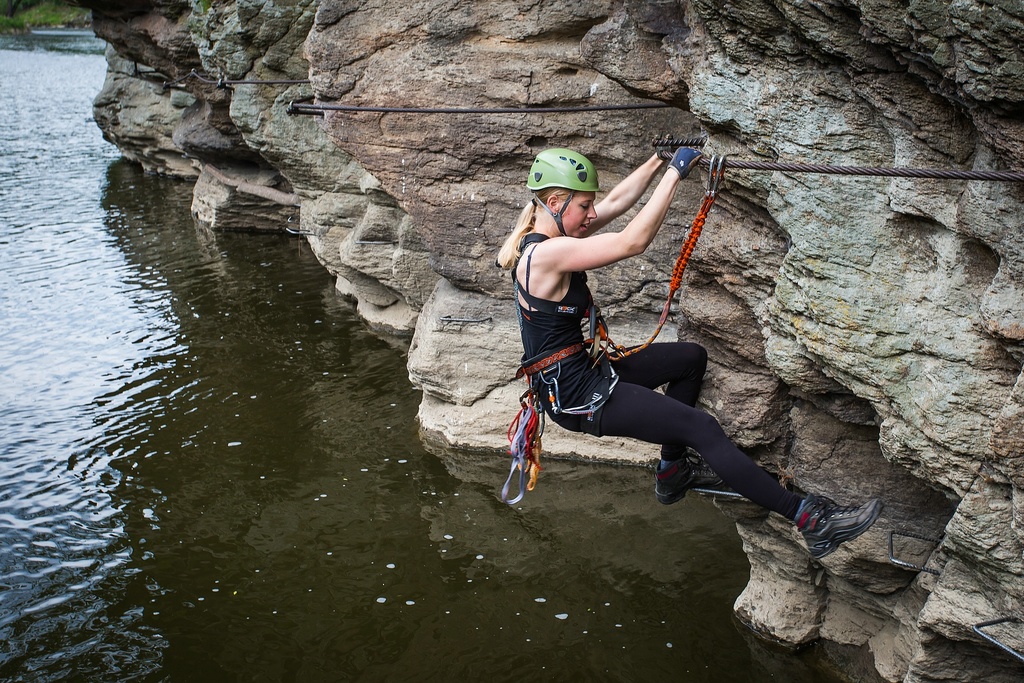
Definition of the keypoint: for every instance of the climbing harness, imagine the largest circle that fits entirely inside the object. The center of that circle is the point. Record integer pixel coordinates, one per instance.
(590, 409)
(527, 428)
(548, 361)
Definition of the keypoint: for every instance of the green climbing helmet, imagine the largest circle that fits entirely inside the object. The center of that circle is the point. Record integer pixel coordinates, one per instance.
(562, 168)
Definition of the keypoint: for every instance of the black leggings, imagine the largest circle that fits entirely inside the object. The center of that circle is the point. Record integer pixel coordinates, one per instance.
(636, 411)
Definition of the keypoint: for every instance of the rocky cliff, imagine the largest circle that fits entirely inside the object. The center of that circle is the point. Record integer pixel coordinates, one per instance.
(866, 334)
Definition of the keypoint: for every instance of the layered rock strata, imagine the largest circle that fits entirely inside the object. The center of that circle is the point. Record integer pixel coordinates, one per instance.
(865, 333)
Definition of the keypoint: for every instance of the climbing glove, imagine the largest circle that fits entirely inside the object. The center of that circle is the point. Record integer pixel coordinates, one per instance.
(684, 159)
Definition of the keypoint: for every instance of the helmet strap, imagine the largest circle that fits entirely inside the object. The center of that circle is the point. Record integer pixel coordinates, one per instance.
(557, 216)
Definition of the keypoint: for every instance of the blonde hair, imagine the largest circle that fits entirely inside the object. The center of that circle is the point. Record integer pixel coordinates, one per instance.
(527, 221)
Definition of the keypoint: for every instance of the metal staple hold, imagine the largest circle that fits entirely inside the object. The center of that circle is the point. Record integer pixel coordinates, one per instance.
(998, 643)
(718, 492)
(450, 319)
(904, 563)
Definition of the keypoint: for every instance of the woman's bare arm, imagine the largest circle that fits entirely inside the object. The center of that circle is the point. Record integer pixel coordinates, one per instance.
(623, 196)
(559, 255)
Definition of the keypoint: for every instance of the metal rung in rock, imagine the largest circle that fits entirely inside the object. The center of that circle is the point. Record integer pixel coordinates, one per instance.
(452, 319)
(904, 563)
(718, 492)
(994, 641)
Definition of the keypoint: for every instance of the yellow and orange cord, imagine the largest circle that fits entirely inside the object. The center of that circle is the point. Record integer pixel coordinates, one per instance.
(603, 342)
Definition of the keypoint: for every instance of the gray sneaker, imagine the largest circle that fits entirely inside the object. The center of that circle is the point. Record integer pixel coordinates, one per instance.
(826, 524)
(691, 472)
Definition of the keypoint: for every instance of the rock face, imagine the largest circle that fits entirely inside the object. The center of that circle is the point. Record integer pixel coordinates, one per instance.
(866, 334)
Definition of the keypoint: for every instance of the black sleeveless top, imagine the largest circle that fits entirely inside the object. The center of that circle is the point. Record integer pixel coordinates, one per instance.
(555, 325)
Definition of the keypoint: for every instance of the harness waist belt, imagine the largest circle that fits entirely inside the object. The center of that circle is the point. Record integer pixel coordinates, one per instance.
(547, 361)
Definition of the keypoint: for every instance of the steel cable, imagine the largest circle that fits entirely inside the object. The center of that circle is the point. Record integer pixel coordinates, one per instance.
(227, 83)
(666, 144)
(936, 173)
(297, 107)
(318, 109)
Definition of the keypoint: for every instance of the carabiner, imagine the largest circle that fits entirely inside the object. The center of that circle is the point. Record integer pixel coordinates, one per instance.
(716, 170)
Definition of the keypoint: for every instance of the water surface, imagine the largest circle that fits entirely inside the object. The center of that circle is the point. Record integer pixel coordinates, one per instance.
(211, 471)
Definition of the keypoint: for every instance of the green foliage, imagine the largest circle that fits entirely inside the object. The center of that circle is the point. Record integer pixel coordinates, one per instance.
(9, 25)
(45, 13)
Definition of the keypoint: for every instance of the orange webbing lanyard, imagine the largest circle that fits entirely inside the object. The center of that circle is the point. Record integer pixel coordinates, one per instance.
(601, 341)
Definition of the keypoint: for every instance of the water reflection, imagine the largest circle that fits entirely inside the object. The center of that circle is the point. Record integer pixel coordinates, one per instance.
(67, 328)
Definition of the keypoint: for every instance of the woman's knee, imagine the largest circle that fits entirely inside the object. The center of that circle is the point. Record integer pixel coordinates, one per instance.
(689, 359)
(699, 356)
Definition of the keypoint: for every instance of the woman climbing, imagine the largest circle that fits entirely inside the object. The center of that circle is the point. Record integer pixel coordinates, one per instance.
(549, 251)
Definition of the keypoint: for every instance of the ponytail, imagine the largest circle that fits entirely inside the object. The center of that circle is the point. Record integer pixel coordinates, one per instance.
(509, 254)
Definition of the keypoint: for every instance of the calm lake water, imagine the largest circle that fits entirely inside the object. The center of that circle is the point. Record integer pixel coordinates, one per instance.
(211, 471)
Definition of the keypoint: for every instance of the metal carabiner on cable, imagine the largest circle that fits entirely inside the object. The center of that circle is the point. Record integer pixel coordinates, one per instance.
(716, 171)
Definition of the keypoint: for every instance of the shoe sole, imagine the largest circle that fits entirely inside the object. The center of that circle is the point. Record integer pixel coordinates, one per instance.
(818, 552)
(670, 499)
